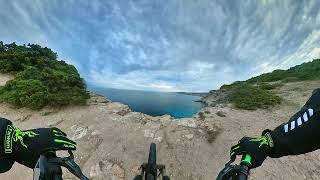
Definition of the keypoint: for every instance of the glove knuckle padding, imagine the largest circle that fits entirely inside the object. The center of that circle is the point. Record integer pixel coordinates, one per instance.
(58, 131)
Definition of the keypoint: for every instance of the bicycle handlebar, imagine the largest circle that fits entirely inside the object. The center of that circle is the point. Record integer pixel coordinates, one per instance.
(49, 166)
(244, 167)
(244, 172)
(236, 172)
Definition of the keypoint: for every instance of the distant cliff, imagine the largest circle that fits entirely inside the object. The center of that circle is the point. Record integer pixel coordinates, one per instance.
(201, 94)
(261, 91)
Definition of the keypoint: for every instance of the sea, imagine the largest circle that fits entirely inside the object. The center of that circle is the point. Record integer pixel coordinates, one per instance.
(177, 105)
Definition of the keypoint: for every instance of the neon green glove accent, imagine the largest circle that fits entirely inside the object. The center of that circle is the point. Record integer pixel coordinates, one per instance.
(20, 134)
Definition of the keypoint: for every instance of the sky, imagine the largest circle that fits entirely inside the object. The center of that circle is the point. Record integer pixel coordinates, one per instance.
(168, 45)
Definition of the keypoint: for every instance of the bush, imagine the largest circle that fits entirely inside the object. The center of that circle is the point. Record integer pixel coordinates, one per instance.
(212, 134)
(230, 86)
(31, 93)
(290, 79)
(267, 86)
(202, 117)
(40, 79)
(249, 97)
(255, 92)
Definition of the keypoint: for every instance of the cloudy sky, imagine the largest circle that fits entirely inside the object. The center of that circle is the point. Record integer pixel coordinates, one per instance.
(168, 45)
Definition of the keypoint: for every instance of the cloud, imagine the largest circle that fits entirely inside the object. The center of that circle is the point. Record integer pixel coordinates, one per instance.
(163, 87)
(173, 46)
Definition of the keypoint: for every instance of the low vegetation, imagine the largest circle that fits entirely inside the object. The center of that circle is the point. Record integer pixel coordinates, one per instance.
(211, 135)
(40, 79)
(303, 72)
(257, 92)
(244, 95)
(202, 117)
(249, 97)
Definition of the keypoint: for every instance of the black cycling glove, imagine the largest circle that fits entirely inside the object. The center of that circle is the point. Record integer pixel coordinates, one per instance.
(259, 148)
(26, 146)
(29, 144)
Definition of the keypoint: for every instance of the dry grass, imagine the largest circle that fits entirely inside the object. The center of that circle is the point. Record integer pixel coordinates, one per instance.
(212, 134)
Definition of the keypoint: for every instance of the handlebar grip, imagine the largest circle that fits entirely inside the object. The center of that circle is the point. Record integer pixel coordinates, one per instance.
(246, 160)
(245, 164)
(244, 172)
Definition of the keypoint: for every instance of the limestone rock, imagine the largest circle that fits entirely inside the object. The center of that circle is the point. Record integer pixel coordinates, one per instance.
(165, 119)
(125, 110)
(189, 136)
(149, 133)
(134, 117)
(95, 133)
(136, 169)
(53, 123)
(23, 118)
(95, 171)
(186, 122)
(98, 99)
(79, 133)
(158, 139)
(221, 114)
(117, 171)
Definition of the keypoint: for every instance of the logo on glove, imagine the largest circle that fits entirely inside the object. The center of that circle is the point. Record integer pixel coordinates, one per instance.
(8, 139)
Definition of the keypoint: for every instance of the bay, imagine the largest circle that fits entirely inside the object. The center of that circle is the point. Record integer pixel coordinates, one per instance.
(153, 103)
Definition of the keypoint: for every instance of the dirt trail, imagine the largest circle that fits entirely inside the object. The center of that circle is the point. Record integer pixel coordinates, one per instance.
(4, 78)
(113, 141)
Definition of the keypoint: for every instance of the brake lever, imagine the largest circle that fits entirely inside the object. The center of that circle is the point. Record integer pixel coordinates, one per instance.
(68, 162)
(233, 158)
(229, 170)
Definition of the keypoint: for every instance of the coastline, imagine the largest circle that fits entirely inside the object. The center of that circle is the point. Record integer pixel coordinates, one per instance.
(154, 103)
(201, 94)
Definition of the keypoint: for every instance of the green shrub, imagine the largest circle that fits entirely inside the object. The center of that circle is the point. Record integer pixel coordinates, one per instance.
(290, 79)
(267, 86)
(302, 72)
(230, 86)
(40, 79)
(249, 97)
(31, 93)
(256, 92)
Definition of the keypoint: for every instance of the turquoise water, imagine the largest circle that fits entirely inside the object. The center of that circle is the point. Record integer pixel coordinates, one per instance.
(153, 103)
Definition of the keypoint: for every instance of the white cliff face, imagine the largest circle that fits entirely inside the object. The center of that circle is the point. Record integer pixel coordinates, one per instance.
(113, 141)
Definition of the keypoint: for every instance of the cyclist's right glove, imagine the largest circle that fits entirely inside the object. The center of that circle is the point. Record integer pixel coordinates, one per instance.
(259, 148)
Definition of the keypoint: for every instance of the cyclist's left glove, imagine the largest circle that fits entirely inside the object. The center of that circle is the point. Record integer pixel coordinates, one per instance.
(29, 144)
(259, 148)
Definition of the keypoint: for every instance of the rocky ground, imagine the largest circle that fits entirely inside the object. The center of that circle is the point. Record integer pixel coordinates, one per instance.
(215, 98)
(113, 141)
